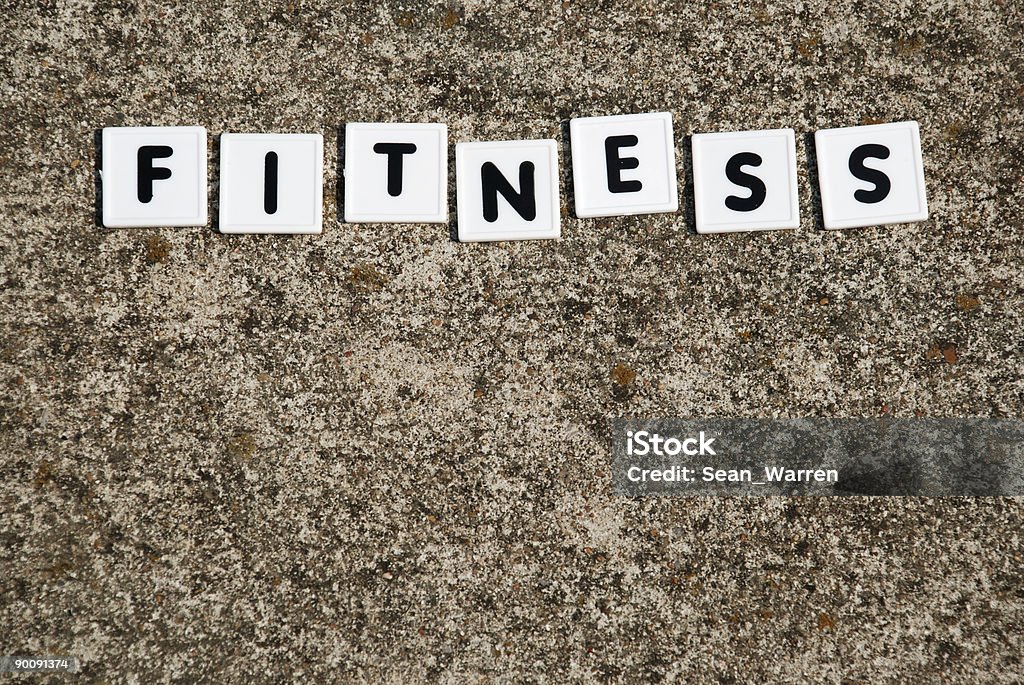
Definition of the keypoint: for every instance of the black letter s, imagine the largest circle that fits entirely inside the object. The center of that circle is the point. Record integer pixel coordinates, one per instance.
(735, 174)
(881, 181)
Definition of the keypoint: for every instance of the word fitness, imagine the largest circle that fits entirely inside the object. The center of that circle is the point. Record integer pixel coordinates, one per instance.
(621, 165)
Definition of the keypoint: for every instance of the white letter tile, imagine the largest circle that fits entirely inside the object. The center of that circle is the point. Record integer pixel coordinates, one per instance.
(271, 182)
(154, 176)
(871, 175)
(396, 173)
(745, 181)
(623, 165)
(503, 208)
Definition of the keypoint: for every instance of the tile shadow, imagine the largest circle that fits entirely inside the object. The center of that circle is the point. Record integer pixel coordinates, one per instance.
(811, 160)
(97, 139)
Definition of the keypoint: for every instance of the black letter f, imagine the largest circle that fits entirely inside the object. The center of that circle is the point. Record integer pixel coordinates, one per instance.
(148, 173)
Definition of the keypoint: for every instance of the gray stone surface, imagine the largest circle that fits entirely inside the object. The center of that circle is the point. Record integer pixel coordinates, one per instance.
(380, 455)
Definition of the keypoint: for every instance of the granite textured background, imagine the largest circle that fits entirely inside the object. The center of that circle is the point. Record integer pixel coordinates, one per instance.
(379, 455)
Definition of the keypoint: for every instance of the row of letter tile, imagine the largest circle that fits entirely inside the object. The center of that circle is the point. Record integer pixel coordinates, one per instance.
(508, 190)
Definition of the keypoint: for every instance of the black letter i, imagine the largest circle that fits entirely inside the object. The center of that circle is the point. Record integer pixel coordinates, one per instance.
(270, 183)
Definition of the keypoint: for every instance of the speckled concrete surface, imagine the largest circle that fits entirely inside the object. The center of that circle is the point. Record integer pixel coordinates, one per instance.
(378, 455)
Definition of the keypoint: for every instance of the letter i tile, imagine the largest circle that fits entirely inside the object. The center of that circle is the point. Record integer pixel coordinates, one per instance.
(271, 182)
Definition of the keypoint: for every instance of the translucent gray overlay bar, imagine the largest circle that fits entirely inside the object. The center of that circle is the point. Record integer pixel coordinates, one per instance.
(820, 457)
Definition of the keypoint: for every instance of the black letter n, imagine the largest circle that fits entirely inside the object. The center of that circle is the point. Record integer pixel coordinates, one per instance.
(492, 182)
